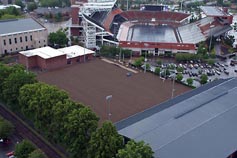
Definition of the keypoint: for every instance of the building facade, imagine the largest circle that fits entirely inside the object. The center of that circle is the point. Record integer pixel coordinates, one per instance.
(21, 34)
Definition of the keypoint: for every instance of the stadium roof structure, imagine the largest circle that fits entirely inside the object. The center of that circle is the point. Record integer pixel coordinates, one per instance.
(212, 11)
(18, 26)
(200, 123)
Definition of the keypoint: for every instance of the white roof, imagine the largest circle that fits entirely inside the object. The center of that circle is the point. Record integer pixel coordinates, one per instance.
(48, 52)
(44, 52)
(75, 51)
(10, 5)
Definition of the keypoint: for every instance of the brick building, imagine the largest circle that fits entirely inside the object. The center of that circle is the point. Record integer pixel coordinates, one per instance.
(48, 58)
(21, 34)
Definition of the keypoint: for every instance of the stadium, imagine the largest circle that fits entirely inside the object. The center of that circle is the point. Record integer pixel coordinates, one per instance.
(153, 28)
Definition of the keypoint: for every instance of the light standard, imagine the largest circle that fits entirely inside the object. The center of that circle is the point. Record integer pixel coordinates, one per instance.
(108, 99)
(173, 76)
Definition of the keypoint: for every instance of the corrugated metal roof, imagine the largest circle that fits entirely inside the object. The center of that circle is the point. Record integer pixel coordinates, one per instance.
(18, 25)
(202, 125)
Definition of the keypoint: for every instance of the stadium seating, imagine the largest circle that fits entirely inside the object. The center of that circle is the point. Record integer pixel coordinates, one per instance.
(99, 16)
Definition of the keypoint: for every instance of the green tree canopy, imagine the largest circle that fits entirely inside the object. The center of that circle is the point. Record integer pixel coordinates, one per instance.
(58, 38)
(37, 154)
(81, 123)
(105, 142)
(31, 6)
(37, 101)
(203, 79)
(6, 128)
(157, 71)
(179, 77)
(135, 150)
(23, 149)
(13, 83)
(20, 3)
(190, 81)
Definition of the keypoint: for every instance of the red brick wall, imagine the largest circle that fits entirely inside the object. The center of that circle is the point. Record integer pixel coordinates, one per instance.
(74, 14)
(31, 62)
(56, 62)
(75, 32)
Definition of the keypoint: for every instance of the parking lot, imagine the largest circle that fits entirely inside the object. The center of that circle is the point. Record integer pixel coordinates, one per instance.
(222, 69)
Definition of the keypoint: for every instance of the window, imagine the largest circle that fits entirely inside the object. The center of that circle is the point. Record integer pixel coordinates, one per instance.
(26, 38)
(16, 48)
(10, 41)
(21, 48)
(4, 42)
(26, 47)
(21, 39)
(5, 51)
(39, 41)
(31, 37)
(15, 40)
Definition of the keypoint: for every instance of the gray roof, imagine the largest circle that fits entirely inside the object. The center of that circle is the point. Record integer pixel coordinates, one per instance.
(201, 125)
(18, 25)
(212, 11)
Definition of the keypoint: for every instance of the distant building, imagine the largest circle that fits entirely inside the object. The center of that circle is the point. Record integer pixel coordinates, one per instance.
(197, 124)
(5, 2)
(2, 7)
(48, 58)
(21, 34)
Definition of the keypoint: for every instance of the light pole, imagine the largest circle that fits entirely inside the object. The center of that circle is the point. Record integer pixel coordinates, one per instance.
(84, 52)
(108, 99)
(172, 92)
(145, 63)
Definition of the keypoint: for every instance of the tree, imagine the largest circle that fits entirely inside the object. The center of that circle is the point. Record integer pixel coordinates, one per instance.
(229, 40)
(190, 81)
(179, 77)
(23, 149)
(105, 142)
(159, 62)
(13, 83)
(37, 101)
(148, 67)
(204, 79)
(20, 3)
(135, 149)
(157, 71)
(79, 127)
(138, 62)
(37, 154)
(202, 49)
(31, 6)
(58, 38)
(6, 128)
(59, 119)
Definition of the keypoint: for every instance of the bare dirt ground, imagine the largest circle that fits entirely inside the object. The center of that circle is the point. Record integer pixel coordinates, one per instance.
(91, 82)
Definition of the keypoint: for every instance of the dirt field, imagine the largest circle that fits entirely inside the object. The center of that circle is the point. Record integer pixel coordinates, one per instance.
(91, 82)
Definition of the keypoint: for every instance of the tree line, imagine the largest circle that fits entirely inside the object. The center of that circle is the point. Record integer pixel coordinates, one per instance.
(61, 120)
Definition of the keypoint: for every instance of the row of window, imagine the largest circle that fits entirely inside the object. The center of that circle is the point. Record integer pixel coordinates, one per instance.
(15, 40)
(26, 48)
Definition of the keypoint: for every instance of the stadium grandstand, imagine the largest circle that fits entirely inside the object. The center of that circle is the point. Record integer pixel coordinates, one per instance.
(153, 28)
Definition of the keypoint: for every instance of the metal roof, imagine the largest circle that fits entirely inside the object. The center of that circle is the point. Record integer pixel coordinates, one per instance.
(212, 11)
(18, 26)
(200, 125)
